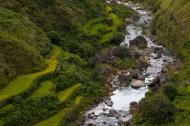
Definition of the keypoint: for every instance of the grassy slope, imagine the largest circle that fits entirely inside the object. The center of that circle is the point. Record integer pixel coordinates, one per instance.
(22, 83)
(22, 46)
(44, 89)
(57, 118)
(63, 95)
(94, 26)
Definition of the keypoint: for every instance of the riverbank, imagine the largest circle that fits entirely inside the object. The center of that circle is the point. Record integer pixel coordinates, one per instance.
(169, 31)
(115, 110)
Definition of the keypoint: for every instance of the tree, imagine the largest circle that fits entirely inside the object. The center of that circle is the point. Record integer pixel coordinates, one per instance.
(156, 109)
(170, 91)
(54, 37)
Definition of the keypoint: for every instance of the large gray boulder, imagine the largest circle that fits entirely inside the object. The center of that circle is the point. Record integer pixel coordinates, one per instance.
(137, 83)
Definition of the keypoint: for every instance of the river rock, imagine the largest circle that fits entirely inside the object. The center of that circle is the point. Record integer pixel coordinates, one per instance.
(134, 104)
(137, 83)
(164, 70)
(136, 74)
(158, 50)
(162, 78)
(112, 112)
(155, 81)
(139, 42)
(136, 18)
(141, 77)
(107, 70)
(142, 63)
(124, 79)
(133, 52)
(109, 103)
(91, 124)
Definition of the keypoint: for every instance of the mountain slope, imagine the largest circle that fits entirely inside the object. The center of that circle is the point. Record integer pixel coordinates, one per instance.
(22, 45)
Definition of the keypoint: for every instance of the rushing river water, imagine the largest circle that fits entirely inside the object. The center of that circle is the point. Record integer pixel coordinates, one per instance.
(112, 115)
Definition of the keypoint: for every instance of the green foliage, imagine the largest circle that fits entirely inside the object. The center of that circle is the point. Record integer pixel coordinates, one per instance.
(22, 46)
(54, 37)
(170, 91)
(121, 52)
(79, 27)
(45, 89)
(48, 2)
(29, 110)
(122, 11)
(24, 82)
(171, 26)
(63, 95)
(155, 110)
(118, 37)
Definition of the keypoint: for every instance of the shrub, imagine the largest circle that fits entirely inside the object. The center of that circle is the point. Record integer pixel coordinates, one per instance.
(156, 110)
(54, 37)
(117, 38)
(121, 52)
(48, 2)
(170, 91)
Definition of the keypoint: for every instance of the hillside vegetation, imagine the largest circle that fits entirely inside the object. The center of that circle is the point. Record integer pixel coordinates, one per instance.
(171, 26)
(22, 46)
(49, 72)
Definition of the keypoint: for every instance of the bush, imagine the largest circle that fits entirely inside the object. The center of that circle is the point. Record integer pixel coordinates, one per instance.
(48, 2)
(170, 91)
(155, 110)
(54, 37)
(121, 52)
(117, 38)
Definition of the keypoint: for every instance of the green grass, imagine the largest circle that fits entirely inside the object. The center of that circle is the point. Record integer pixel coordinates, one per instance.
(183, 103)
(45, 89)
(116, 22)
(6, 108)
(97, 26)
(108, 9)
(56, 119)
(63, 95)
(22, 83)
(22, 46)
(89, 27)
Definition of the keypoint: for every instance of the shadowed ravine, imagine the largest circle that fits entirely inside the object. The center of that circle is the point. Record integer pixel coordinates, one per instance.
(106, 115)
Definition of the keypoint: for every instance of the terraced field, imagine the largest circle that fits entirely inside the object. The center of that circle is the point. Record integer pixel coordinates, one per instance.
(45, 89)
(57, 118)
(63, 95)
(22, 83)
(97, 26)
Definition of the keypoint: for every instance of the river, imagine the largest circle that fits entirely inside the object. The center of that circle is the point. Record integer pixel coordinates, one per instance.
(113, 115)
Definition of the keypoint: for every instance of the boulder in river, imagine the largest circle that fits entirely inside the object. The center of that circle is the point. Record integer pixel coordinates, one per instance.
(155, 81)
(136, 74)
(133, 52)
(142, 63)
(124, 79)
(109, 103)
(136, 18)
(158, 50)
(112, 112)
(139, 42)
(137, 83)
